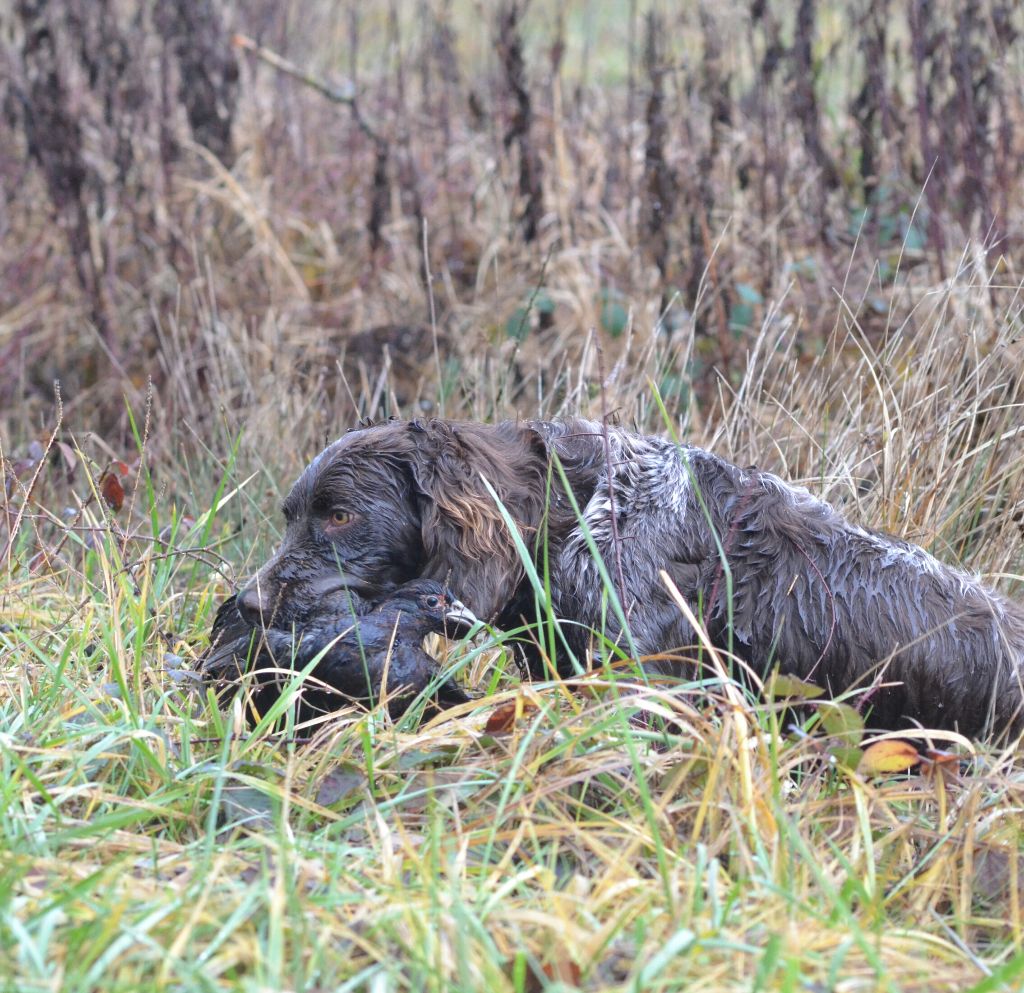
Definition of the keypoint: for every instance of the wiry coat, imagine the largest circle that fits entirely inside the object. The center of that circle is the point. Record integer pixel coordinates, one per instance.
(778, 577)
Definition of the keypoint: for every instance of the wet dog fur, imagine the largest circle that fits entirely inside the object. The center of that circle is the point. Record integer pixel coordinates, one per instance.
(778, 577)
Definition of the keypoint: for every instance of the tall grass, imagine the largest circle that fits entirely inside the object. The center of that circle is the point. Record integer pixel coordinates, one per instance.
(613, 836)
(842, 328)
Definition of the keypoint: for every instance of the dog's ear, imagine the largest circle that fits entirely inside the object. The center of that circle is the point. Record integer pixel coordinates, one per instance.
(465, 536)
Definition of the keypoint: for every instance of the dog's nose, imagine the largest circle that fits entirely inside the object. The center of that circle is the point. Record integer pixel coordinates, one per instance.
(251, 604)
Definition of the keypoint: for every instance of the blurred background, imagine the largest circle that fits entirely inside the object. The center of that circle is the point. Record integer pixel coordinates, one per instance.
(509, 176)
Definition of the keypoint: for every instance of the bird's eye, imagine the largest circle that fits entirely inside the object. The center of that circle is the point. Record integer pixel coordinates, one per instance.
(432, 602)
(340, 517)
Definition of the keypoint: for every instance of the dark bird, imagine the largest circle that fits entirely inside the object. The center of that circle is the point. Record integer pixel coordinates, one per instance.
(360, 653)
(779, 577)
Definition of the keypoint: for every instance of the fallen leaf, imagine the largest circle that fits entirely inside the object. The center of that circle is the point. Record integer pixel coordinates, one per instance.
(781, 687)
(421, 758)
(339, 783)
(937, 757)
(994, 876)
(842, 721)
(939, 763)
(111, 490)
(891, 755)
(503, 717)
(848, 758)
(560, 973)
(246, 807)
(563, 971)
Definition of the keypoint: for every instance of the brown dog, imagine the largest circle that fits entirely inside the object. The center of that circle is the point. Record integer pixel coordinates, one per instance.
(778, 577)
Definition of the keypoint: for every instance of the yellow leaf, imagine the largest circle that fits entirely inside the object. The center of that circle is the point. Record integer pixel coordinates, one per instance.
(782, 687)
(892, 755)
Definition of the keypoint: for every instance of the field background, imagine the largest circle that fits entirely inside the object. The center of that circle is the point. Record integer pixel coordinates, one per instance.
(790, 231)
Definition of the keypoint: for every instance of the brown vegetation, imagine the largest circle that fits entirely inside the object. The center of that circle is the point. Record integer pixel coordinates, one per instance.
(164, 191)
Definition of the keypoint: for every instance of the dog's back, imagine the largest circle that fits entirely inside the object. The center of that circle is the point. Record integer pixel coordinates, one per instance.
(782, 579)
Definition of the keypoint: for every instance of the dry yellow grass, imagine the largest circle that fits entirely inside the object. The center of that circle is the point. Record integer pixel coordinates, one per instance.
(618, 836)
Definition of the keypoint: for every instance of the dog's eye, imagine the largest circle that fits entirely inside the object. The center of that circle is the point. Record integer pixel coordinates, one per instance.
(339, 517)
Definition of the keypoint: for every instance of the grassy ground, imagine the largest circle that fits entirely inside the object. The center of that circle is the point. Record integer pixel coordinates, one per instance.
(151, 841)
(859, 336)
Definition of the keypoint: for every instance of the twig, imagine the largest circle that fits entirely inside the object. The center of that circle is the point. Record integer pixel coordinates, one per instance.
(346, 95)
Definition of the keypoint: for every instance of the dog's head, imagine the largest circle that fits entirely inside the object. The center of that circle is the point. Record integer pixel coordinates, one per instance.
(402, 500)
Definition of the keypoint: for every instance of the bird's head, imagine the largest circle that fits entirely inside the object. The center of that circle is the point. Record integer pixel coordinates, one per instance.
(435, 604)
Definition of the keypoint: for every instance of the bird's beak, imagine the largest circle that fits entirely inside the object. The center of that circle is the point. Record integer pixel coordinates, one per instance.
(460, 616)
